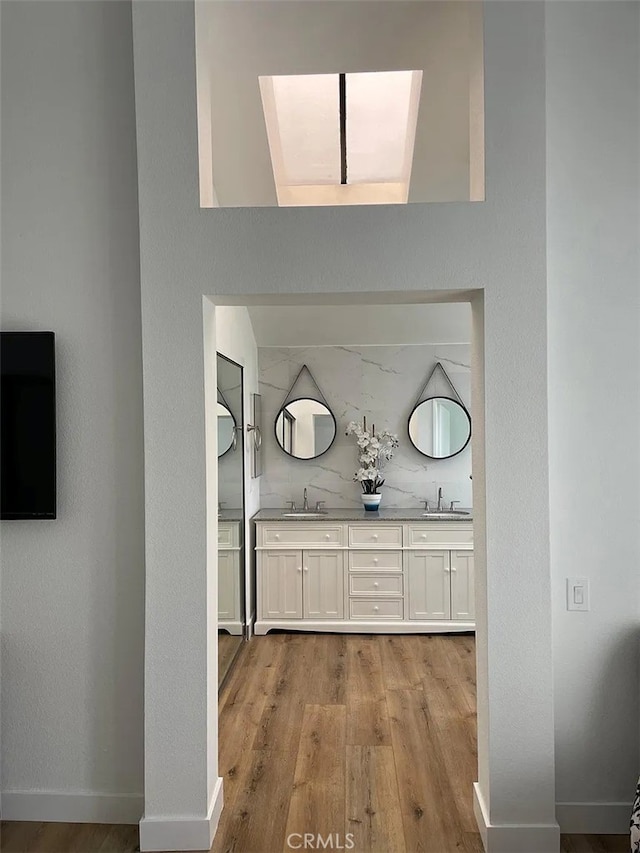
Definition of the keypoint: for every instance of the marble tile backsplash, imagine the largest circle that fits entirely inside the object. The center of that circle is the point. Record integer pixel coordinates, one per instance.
(381, 383)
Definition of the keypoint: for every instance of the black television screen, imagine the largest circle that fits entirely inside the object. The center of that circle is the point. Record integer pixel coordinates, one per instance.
(28, 425)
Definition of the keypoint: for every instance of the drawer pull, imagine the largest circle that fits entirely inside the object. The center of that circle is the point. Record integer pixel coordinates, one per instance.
(276, 536)
(424, 536)
(376, 608)
(375, 536)
(376, 585)
(327, 536)
(375, 560)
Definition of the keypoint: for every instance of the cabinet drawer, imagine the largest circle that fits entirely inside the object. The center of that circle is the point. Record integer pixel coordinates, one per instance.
(300, 535)
(376, 608)
(375, 536)
(361, 584)
(451, 535)
(375, 561)
(227, 535)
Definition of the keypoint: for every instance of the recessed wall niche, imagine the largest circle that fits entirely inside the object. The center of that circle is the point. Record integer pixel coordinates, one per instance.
(339, 102)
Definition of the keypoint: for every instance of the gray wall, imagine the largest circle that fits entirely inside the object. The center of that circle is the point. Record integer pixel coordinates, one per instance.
(593, 198)
(72, 589)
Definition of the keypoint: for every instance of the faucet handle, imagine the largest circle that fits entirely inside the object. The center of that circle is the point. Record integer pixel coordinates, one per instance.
(292, 504)
(320, 505)
(452, 505)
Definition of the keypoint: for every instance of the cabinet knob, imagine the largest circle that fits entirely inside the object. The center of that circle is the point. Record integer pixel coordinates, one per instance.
(376, 585)
(277, 536)
(424, 536)
(306, 568)
(300, 568)
(453, 569)
(375, 536)
(376, 608)
(375, 559)
(447, 569)
(327, 536)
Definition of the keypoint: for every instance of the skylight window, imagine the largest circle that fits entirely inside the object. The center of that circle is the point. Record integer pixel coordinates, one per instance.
(341, 138)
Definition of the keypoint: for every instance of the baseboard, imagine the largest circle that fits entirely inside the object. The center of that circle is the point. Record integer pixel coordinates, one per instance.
(72, 807)
(594, 818)
(182, 833)
(513, 838)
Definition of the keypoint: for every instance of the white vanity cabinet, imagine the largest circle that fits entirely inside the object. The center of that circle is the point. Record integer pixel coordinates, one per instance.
(302, 584)
(229, 550)
(440, 585)
(360, 577)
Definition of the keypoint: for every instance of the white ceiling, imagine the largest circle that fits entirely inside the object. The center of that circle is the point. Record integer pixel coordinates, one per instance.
(360, 325)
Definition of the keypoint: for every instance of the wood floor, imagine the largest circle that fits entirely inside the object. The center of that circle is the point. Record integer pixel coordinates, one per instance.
(228, 648)
(368, 739)
(336, 734)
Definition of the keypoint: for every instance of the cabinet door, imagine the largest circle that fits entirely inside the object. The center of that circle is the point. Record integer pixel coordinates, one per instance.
(462, 588)
(428, 585)
(281, 584)
(323, 584)
(228, 571)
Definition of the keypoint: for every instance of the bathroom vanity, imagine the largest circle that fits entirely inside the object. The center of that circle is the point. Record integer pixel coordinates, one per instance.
(394, 571)
(230, 616)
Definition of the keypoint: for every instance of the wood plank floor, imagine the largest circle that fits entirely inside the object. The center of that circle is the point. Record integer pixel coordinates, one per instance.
(228, 648)
(372, 736)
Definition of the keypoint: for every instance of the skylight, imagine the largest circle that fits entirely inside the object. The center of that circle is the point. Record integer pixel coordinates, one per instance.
(341, 138)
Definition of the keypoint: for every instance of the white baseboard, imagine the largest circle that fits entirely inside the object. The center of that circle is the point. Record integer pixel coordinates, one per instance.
(73, 807)
(594, 818)
(513, 838)
(183, 833)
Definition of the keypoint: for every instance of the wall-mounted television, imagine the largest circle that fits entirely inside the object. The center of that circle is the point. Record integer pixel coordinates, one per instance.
(27, 425)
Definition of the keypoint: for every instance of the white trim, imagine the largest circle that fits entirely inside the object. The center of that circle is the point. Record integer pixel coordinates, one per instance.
(183, 833)
(513, 838)
(72, 807)
(234, 627)
(363, 626)
(594, 818)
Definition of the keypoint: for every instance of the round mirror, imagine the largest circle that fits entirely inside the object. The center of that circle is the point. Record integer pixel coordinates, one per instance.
(439, 427)
(305, 428)
(226, 430)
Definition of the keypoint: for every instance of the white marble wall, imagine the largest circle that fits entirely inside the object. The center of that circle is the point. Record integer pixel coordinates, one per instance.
(381, 383)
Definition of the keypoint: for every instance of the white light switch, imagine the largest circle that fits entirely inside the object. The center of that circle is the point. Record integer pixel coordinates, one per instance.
(578, 594)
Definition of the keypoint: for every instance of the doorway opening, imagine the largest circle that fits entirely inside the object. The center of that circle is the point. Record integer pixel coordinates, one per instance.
(387, 696)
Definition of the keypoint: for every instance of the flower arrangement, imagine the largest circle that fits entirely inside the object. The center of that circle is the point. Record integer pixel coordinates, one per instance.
(374, 450)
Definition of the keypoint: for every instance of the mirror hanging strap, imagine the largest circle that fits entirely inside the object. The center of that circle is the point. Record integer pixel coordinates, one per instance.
(290, 396)
(439, 367)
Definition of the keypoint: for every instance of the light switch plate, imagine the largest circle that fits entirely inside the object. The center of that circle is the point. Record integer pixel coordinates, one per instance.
(578, 594)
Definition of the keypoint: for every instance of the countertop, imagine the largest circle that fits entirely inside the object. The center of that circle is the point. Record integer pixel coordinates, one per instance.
(230, 515)
(357, 514)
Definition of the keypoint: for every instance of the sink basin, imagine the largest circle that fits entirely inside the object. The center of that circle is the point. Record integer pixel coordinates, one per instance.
(445, 513)
(303, 514)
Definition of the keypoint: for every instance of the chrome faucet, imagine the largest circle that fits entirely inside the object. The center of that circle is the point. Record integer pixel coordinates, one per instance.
(440, 499)
(305, 505)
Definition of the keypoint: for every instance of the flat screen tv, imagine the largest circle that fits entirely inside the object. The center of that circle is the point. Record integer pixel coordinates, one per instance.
(27, 425)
